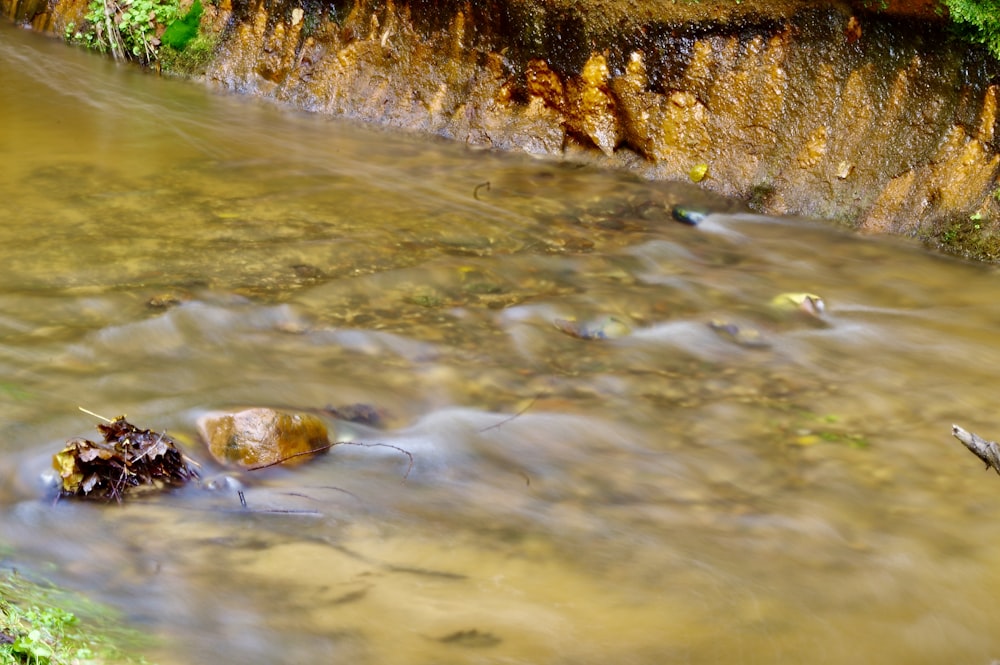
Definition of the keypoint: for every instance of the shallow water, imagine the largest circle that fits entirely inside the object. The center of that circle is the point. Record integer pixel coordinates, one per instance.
(664, 495)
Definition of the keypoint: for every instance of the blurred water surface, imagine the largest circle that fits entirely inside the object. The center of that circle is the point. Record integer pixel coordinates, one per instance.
(709, 479)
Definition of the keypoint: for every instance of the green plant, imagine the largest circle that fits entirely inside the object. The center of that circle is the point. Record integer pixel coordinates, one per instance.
(126, 28)
(180, 33)
(85, 38)
(34, 631)
(977, 21)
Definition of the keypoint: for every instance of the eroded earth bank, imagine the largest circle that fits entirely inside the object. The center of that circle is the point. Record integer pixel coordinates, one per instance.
(877, 118)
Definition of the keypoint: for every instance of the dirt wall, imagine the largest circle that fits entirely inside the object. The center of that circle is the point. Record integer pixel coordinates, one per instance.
(878, 119)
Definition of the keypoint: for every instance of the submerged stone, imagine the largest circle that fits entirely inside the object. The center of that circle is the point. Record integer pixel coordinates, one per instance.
(608, 327)
(739, 334)
(261, 437)
(688, 216)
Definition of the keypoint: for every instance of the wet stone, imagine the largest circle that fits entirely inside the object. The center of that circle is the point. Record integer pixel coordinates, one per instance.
(261, 437)
(364, 414)
(608, 327)
(164, 301)
(471, 639)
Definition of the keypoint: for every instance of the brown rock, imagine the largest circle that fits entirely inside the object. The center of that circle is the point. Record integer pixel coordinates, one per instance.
(592, 109)
(258, 437)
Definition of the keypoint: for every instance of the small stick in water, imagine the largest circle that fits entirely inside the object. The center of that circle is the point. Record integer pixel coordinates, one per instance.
(96, 415)
(988, 451)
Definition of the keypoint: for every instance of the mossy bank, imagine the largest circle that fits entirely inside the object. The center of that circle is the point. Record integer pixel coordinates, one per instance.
(41, 624)
(872, 114)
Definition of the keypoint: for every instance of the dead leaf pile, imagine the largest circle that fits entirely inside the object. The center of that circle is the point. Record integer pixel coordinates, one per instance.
(129, 458)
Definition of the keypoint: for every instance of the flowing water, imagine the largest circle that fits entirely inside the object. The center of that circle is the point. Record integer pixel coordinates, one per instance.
(666, 492)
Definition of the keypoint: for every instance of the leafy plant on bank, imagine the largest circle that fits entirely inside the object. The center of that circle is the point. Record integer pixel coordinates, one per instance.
(128, 27)
(185, 49)
(184, 29)
(977, 21)
(34, 630)
(132, 29)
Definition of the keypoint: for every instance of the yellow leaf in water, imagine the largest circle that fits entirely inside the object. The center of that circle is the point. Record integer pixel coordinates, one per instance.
(65, 463)
(809, 303)
(698, 172)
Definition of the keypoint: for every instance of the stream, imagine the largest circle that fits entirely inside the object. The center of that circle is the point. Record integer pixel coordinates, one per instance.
(623, 449)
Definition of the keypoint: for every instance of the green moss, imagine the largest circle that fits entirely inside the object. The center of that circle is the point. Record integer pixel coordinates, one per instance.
(972, 236)
(977, 21)
(758, 196)
(183, 30)
(193, 60)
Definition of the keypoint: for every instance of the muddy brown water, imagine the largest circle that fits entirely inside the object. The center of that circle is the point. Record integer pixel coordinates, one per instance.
(662, 496)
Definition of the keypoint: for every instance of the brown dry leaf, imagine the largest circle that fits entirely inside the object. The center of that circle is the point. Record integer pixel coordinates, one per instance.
(127, 458)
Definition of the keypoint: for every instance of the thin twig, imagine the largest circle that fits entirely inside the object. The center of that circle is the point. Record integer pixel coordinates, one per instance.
(278, 511)
(510, 418)
(149, 448)
(383, 445)
(331, 445)
(292, 456)
(114, 36)
(96, 415)
(324, 487)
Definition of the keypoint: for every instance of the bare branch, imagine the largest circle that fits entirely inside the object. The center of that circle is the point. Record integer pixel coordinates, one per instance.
(987, 451)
